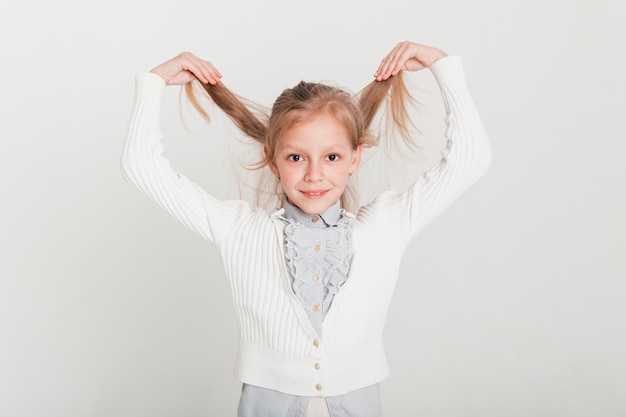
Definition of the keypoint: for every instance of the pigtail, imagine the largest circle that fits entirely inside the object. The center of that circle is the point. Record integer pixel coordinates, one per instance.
(249, 117)
(392, 91)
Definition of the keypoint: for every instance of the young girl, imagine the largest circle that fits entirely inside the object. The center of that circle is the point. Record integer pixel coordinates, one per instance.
(312, 281)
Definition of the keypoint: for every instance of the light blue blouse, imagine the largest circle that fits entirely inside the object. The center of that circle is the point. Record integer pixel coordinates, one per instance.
(318, 252)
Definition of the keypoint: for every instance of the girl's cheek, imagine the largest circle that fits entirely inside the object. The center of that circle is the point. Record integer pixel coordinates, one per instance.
(287, 175)
(291, 171)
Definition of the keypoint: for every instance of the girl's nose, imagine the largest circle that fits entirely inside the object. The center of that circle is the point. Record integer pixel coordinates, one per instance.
(313, 172)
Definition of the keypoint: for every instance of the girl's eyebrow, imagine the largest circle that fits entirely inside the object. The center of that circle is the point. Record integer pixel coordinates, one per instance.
(335, 148)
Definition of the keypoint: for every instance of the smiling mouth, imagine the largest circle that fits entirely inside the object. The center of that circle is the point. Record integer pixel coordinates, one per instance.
(314, 194)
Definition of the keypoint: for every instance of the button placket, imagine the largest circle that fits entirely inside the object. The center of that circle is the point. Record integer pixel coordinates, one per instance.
(319, 373)
(316, 294)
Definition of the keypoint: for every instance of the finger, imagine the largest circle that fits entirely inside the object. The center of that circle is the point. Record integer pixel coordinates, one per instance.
(204, 71)
(383, 64)
(399, 59)
(196, 70)
(383, 68)
(215, 70)
(212, 73)
(209, 74)
(393, 61)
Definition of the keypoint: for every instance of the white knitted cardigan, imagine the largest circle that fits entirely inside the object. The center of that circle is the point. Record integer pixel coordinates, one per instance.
(278, 347)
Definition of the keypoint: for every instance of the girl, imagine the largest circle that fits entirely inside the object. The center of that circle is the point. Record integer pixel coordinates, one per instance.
(312, 281)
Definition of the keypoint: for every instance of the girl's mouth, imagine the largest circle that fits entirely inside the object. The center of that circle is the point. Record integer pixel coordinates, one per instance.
(314, 194)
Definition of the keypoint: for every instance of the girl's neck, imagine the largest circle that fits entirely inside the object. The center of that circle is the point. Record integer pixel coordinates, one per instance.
(330, 216)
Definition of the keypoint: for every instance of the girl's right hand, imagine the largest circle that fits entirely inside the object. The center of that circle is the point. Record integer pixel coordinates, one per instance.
(407, 56)
(185, 68)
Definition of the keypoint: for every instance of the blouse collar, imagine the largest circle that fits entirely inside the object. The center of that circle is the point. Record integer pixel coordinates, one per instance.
(328, 218)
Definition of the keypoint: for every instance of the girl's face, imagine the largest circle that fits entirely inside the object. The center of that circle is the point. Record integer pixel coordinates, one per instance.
(314, 160)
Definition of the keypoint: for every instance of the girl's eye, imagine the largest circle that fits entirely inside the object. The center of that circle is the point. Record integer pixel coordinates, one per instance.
(294, 157)
(333, 157)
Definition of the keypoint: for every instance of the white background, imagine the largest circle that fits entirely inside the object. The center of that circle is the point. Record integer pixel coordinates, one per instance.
(512, 303)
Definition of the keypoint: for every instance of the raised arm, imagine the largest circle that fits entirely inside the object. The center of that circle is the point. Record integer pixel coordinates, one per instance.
(144, 165)
(466, 155)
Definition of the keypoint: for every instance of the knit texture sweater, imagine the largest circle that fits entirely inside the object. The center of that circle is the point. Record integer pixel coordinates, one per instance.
(316, 277)
(278, 347)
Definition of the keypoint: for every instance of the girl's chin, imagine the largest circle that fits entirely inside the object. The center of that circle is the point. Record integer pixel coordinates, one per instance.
(313, 205)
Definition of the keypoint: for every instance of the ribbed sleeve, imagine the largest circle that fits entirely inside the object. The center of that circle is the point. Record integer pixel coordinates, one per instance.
(465, 158)
(144, 165)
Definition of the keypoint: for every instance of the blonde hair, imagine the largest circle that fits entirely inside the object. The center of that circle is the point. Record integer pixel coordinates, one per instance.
(355, 113)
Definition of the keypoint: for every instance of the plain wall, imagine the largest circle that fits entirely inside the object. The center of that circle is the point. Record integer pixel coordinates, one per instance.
(512, 303)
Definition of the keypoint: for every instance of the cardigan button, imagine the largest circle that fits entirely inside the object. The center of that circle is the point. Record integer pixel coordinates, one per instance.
(315, 219)
(316, 277)
(317, 247)
(317, 366)
(316, 308)
(316, 343)
(318, 387)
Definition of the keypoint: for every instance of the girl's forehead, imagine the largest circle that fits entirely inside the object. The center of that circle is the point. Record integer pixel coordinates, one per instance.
(317, 124)
(304, 130)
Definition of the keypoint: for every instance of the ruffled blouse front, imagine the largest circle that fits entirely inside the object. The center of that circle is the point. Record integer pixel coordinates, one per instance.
(318, 252)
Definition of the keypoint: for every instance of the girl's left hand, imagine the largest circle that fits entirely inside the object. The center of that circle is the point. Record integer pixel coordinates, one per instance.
(185, 68)
(407, 56)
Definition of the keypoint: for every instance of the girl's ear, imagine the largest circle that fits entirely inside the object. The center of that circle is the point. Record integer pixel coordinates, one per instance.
(274, 169)
(356, 159)
(271, 164)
